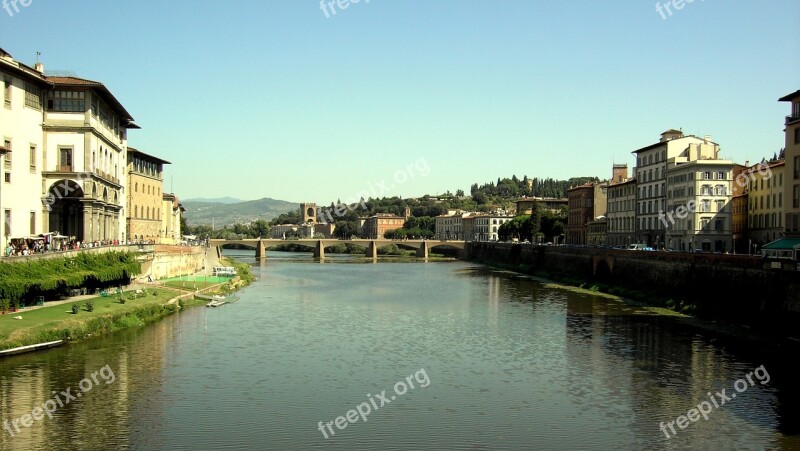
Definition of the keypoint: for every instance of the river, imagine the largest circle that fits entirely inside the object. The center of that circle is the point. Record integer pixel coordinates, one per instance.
(468, 357)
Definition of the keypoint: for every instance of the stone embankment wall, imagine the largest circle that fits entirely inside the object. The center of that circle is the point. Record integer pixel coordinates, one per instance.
(173, 261)
(735, 287)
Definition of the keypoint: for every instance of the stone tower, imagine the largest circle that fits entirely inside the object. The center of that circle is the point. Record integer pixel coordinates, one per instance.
(308, 213)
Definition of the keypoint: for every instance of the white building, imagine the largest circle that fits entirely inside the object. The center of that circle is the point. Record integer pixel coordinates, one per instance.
(699, 209)
(450, 226)
(64, 167)
(486, 226)
(651, 180)
(22, 142)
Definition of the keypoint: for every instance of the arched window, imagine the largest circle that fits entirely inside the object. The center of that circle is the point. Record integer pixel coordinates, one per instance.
(136, 211)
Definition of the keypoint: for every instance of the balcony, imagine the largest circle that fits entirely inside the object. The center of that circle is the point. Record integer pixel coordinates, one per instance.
(793, 118)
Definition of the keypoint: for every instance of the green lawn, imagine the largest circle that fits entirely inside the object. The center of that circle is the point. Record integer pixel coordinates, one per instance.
(58, 315)
(190, 285)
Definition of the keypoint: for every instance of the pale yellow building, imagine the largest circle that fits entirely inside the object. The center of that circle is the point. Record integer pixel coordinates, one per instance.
(171, 211)
(791, 188)
(145, 196)
(765, 202)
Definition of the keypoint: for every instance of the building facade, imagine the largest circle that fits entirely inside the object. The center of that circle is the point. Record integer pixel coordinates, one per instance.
(596, 231)
(22, 144)
(376, 226)
(621, 213)
(485, 227)
(145, 196)
(651, 182)
(586, 202)
(525, 205)
(67, 140)
(450, 226)
(791, 188)
(765, 202)
(698, 213)
(171, 212)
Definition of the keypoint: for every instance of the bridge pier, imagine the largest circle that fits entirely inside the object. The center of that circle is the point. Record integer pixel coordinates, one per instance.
(422, 252)
(261, 250)
(319, 250)
(372, 250)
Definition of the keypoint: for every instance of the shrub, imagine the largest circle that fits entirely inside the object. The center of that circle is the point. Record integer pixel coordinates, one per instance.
(75, 309)
(121, 300)
(89, 306)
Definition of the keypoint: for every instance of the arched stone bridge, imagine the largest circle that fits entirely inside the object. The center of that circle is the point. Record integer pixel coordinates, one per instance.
(423, 247)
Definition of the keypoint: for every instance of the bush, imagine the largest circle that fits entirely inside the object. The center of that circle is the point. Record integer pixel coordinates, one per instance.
(89, 306)
(75, 309)
(121, 300)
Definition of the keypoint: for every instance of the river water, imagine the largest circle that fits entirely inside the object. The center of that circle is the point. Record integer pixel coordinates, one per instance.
(468, 357)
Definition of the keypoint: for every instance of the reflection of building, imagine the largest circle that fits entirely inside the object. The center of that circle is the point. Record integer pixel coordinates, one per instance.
(145, 195)
(765, 201)
(375, 226)
(791, 188)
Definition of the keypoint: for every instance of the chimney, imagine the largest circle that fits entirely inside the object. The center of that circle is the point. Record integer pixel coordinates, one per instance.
(39, 68)
(707, 138)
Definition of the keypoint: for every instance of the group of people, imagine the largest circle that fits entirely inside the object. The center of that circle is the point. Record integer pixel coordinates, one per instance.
(31, 246)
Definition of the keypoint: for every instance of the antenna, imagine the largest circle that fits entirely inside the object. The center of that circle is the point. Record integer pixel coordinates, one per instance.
(38, 54)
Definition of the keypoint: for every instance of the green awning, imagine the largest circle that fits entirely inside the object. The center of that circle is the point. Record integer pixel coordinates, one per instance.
(783, 243)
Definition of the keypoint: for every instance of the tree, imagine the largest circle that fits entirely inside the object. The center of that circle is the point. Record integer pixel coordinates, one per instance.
(346, 229)
(459, 193)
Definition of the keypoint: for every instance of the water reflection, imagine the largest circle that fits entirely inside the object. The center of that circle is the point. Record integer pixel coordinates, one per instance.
(513, 364)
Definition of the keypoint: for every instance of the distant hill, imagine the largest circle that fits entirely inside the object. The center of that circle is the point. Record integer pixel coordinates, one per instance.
(218, 200)
(221, 213)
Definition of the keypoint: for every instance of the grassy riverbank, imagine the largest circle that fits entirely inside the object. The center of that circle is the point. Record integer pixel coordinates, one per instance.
(57, 322)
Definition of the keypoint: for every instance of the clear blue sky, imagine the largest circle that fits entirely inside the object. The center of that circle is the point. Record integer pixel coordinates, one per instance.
(256, 99)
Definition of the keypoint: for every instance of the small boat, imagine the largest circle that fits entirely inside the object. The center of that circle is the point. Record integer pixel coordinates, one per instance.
(216, 303)
(31, 348)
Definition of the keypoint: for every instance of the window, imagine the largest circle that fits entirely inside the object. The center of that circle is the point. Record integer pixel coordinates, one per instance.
(720, 175)
(796, 197)
(719, 225)
(796, 167)
(720, 205)
(33, 97)
(7, 219)
(66, 101)
(65, 159)
(33, 158)
(705, 205)
(7, 162)
(707, 175)
(7, 177)
(7, 92)
(33, 223)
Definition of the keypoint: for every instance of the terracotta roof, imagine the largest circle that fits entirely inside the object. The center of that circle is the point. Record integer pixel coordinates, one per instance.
(72, 81)
(127, 119)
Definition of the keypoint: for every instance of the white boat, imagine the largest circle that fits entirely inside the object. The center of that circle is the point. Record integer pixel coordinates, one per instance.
(216, 303)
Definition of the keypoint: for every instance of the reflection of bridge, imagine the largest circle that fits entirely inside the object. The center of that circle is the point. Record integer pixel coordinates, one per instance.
(319, 245)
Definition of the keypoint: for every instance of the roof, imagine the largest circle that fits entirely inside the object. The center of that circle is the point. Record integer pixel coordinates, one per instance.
(624, 182)
(672, 131)
(75, 82)
(584, 186)
(783, 243)
(147, 156)
(790, 97)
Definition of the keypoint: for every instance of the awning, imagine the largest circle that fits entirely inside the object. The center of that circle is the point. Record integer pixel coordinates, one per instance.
(783, 244)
